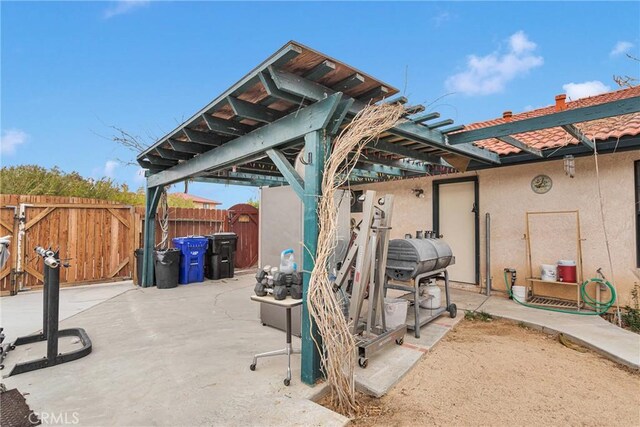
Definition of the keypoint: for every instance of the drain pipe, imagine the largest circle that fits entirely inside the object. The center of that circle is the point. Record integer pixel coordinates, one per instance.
(487, 253)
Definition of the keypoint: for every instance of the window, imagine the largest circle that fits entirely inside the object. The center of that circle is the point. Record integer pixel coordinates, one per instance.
(205, 205)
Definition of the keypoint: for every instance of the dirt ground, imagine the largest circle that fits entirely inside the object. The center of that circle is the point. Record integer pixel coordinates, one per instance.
(499, 373)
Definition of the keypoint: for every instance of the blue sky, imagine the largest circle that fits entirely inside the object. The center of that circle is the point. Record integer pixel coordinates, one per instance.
(71, 69)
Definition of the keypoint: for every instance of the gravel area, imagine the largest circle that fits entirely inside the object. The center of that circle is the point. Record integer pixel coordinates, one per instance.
(499, 373)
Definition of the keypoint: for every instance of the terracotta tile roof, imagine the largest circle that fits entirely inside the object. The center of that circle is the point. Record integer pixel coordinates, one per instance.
(196, 199)
(602, 129)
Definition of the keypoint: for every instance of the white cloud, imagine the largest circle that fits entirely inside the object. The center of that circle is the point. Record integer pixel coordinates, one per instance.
(489, 74)
(139, 177)
(105, 171)
(620, 48)
(121, 7)
(11, 139)
(582, 90)
(441, 18)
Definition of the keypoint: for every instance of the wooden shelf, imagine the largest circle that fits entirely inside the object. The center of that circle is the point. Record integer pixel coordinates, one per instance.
(535, 279)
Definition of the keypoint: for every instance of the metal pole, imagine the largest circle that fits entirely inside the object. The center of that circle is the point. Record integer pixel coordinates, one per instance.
(53, 276)
(45, 300)
(488, 253)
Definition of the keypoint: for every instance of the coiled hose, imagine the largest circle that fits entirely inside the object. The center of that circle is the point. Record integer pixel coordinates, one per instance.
(600, 308)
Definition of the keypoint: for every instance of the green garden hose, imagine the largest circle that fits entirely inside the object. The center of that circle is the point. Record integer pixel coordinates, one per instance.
(600, 308)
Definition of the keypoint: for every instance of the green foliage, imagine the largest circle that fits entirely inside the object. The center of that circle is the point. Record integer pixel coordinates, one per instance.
(631, 315)
(36, 180)
(482, 316)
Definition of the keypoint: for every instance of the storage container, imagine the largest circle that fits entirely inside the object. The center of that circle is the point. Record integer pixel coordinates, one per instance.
(433, 298)
(193, 250)
(395, 312)
(548, 272)
(220, 258)
(287, 261)
(567, 271)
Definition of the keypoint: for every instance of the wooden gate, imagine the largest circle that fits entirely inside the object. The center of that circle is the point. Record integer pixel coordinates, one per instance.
(243, 219)
(98, 240)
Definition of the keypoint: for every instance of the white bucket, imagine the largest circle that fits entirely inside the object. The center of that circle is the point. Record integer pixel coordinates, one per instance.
(395, 312)
(519, 293)
(433, 298)
(548, 272)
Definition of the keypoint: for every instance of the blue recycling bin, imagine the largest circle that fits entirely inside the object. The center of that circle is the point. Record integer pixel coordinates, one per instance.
(192, 252)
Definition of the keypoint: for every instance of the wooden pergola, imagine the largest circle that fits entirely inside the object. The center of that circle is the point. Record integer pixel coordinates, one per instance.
(292, 105)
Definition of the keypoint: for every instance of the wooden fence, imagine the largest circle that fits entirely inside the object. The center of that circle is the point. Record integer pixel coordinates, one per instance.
(97, 237)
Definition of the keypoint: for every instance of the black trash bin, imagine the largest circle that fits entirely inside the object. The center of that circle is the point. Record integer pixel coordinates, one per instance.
(167, 268)
(220, 256)
(139, 255)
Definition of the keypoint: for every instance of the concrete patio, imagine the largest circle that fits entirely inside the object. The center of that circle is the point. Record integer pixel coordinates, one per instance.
(172, 357)
(181, 356)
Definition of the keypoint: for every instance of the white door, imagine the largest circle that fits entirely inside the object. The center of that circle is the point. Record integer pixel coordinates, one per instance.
(458, 228)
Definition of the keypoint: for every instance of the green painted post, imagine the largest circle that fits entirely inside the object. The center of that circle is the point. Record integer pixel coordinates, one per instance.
(314, 145)
(151, 205)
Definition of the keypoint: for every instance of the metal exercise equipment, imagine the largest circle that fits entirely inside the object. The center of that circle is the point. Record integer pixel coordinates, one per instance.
(50, 332)
(415, 262)
(368, 257)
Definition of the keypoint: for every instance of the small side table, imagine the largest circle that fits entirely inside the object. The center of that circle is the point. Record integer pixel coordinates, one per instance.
(288, 303)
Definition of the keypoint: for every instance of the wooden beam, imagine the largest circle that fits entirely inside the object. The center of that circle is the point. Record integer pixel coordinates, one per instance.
(434, 138)
(256, 112)
(310, 361)
(397, 100)
(414, 109)
(452, 129)
(149, 166)
(118, 267)
(38, 218)
(320, 70)
(281, 57)
(288, 171)
(339, 116)
(440, 124)
(400, 150)
(521, 145)
(258, 177)
(231, 181)
(349, 83)
(378, 168)
(272, 89)
(425, 117)
(35, 273)
(421, 134)
(7, 225)
(225, 127)
(203, 138)
(187, 147)
(245, 148)
(576, 115)
(577, 134)
(173, 155)
(157, 160)
(577, 150)
(375, 93)
(115, 213)
(398, 164)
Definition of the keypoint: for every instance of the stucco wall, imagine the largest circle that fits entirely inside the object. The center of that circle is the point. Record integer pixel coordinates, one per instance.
(506, 194)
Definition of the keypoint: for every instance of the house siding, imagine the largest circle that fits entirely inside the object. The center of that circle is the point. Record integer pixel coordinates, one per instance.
(506, 194)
